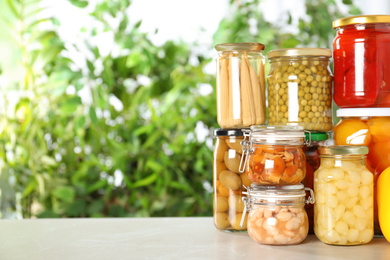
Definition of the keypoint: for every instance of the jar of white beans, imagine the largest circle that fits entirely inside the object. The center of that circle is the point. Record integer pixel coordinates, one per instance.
(276, 214)
(343, 188)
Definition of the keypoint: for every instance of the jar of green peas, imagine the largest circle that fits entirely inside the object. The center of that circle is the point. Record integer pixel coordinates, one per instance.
(300, 88)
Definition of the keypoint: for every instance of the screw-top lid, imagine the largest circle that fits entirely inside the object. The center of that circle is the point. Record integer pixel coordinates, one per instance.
(316, 136)
(343, 150)
(240, 46)
(299, 52)
(361, 19)
(363, 112)
(228, 132)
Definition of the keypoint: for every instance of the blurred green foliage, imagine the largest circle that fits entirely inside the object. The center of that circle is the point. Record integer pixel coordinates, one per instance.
(132, 149)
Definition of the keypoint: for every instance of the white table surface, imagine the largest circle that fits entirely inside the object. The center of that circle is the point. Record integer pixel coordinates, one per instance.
(158, 238)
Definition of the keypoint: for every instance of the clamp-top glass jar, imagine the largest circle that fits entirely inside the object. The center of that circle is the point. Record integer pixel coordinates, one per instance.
(300, 88)
(276, 214)
(361, 53)
(240, 85)
(273, 155)
(343, 188)
(228, 182)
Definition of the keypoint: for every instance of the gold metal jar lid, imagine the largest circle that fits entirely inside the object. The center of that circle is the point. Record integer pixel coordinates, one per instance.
(343, 150)
(240, 46)
(361, 19)
(299, 52)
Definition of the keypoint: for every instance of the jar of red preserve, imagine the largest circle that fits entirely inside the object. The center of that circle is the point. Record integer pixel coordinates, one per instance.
(361, 53)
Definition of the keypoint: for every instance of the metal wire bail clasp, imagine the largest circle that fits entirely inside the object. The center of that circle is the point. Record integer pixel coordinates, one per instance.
(307, 142)
(245, 150)
(246, 205)
(311, 198)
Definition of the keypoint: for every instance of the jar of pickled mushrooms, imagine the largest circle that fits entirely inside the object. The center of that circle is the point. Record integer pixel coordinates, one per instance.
(273, 155)
(240, 85)
(276, 214)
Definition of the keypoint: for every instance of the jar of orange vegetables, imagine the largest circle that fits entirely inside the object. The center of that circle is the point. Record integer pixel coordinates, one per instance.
(273, 155)
(370, 127)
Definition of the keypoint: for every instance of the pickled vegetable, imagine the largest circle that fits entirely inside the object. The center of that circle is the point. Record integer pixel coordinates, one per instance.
(276, 165)
(280, 225)
(352, 131)
(343, 212)
(300, 91)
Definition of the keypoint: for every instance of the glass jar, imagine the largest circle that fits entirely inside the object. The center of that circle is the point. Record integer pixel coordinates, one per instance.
(240, 85)
(343, 188)
(228, 182)
(370, 127)
(316, 139)
(300, 88)
(361, 53)
(273, 155)
(276, 214)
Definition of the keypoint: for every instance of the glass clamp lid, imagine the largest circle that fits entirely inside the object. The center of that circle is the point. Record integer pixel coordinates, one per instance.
(261, 194)
(277, 135)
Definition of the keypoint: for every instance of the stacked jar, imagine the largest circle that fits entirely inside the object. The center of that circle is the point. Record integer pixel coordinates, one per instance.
(274, 161)
(343, 188)
(314, 140)
(300, 88)
(240, 104)
(362, 88)
(300, 93)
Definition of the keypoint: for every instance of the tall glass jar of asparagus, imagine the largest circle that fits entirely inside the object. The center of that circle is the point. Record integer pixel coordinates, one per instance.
(240, 85)
(300, 88)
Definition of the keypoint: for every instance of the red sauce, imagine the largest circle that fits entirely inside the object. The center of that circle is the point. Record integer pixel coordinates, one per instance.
(362, 65)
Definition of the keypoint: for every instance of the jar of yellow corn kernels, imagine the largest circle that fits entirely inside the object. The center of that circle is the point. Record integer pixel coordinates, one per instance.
(276, 214)
(300, 88)
(343, 188)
